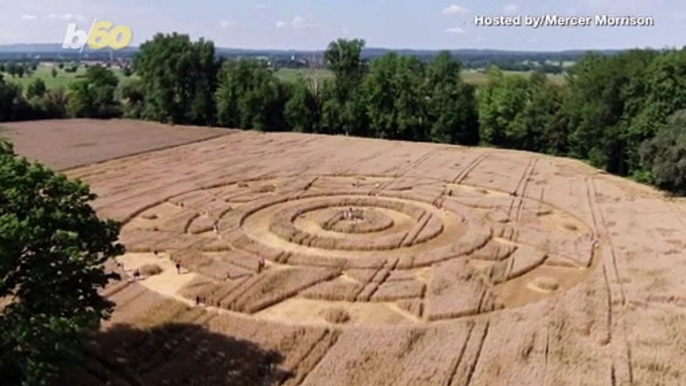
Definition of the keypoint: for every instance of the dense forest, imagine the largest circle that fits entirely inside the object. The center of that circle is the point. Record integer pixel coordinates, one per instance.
(622, 113)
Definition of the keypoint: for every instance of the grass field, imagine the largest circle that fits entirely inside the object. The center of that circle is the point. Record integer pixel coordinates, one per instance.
(478, 78)
(63, 79)
(470, 76)
(292, 74)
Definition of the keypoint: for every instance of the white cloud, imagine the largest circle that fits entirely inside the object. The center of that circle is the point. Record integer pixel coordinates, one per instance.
(679, 16)
(261, 6)
(303, 22)
(510, 9)
(454, 30)
(532, 40)
(298, 22)
(227, 23)
(454, 9)
(479, 39)
(29, 17)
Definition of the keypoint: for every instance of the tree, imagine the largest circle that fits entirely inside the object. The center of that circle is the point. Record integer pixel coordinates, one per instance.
(11, 69)
(655, 90)
(52, 250)
(501, 103)
(53, 72)
(262, 108)
(343, 105)
(179, 79)
(50, 106)
(94, 96)
(3, 68)
(130, 95)
(605, 94)
(344, 58)
(302, 110)
(395, 105)
(250, 96)
(664, 156)
(332, 109)
(452, 106)
(13, 106)
(19, 70)
(81, 101)
(36, 88)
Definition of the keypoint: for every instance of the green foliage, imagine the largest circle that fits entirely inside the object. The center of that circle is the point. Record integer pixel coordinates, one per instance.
(52, 247)
(664, 156)
(344, 58)
(130, 95)
(302, 109)
(249, 96)
(522, 114)
(9, 93)
(53, 72)
(606, 95)
(50, 106)
(94, 96)
(452, 105)
(178, 78)
(396, 107)
(36, 88)
(501, 105)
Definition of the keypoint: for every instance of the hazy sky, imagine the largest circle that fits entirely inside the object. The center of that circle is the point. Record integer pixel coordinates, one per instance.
(311, 24)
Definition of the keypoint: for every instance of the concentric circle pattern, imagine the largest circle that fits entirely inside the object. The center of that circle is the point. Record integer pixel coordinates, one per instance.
(365, 220)
(431, 249)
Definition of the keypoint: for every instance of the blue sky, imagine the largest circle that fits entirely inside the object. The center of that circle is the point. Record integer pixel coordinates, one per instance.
(311, 24)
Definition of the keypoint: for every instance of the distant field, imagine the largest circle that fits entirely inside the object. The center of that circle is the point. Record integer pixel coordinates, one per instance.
(478, 78)
(292, 74)
(470, 76)
(63, 79)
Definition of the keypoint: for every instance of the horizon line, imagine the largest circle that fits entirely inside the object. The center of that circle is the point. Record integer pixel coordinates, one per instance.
(136, 47)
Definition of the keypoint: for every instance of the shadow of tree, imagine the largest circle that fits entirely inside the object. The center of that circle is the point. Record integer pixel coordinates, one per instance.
(176, 354)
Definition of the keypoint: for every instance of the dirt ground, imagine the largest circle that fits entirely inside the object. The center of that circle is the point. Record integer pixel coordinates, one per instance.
(64, 144)
(453, 266)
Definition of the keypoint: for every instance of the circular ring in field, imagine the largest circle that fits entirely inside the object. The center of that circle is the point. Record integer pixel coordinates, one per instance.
(360, 221)
(291, 230)
(435, 250)
(406, 224)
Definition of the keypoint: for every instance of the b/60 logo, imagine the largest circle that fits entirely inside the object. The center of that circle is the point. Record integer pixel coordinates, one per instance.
(103, 34)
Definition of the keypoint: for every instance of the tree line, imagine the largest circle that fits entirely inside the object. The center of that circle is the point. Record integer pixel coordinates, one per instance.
(620, 112)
